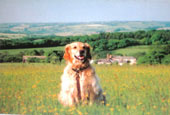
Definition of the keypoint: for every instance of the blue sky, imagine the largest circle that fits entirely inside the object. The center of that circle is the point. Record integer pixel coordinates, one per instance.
(83, 10)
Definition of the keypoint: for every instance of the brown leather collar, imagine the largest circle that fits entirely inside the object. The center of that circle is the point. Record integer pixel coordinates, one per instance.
(80, 69)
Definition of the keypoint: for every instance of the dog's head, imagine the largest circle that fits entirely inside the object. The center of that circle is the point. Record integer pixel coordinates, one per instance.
(77, 51)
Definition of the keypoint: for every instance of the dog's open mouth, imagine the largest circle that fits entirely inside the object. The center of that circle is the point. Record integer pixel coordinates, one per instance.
(81, 57)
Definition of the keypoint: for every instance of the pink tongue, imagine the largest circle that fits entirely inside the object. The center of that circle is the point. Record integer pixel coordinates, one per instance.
(81, 57)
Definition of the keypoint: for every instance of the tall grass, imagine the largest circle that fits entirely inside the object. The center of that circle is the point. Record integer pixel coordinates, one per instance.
(130, 90)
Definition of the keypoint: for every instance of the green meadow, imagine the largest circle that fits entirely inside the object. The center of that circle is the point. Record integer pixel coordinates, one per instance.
(133, 50)
(130, 90)
(46, 49)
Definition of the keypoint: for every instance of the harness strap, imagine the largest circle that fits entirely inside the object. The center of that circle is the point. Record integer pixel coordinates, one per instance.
(78, 86)
(78, 80)
(80, 69)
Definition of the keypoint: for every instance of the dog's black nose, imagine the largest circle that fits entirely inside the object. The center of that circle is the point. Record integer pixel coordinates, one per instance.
(81, 52)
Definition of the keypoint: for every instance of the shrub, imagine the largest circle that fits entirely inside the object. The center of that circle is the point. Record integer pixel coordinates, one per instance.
(54, 56)
(5, 57)
(166, 59)
(33, 60)
(34, 53)
(158, 55)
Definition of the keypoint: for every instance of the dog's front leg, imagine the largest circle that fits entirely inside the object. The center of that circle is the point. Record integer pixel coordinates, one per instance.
(68, 91)
(84, 93)
(87, 92)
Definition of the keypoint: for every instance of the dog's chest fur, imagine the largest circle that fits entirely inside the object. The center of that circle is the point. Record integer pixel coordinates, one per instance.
(86, 74)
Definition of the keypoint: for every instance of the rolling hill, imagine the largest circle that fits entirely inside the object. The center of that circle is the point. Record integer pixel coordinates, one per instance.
(72, 29)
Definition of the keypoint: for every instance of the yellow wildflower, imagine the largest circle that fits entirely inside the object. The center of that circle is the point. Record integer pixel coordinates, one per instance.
(111, 109)
(34, 86)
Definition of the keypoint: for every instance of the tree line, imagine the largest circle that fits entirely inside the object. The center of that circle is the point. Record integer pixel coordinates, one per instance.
(51, 56)
(101, 43)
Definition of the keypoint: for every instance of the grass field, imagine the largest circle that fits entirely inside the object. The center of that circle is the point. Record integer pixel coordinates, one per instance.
(132, 50)
(46, 49)
(130, 90)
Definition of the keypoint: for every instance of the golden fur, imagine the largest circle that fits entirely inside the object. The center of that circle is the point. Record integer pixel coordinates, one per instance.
(87, 89)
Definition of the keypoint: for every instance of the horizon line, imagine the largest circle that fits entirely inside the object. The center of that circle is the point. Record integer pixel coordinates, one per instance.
(93, 21)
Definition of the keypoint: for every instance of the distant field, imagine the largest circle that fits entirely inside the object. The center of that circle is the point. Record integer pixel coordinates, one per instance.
(11, 36)
(130, 90)
(67, 29)
(46, 49)
(131, 51)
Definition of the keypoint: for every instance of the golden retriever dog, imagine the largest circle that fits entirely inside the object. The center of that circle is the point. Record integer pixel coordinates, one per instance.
(80, 84)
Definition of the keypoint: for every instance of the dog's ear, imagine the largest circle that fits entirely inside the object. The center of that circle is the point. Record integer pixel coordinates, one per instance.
(67, 56)
(88, 51)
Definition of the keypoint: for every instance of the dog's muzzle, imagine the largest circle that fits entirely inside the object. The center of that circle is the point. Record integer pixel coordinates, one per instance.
(81, 56)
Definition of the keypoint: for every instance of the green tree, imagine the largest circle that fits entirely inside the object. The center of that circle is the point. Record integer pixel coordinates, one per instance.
(156, 37)
(166, 59)
(158, 55)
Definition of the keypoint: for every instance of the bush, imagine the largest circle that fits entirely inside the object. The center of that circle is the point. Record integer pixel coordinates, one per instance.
(166, 59)
(54, 56)
(143, 60)
(5, 57)
(54, 59)
(158, 55)
(33, 60)
(34, 53)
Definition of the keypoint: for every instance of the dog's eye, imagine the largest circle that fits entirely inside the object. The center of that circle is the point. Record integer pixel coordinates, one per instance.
(74, 47)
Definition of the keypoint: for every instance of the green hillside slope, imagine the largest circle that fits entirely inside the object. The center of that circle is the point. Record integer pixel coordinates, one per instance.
(133, 50)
